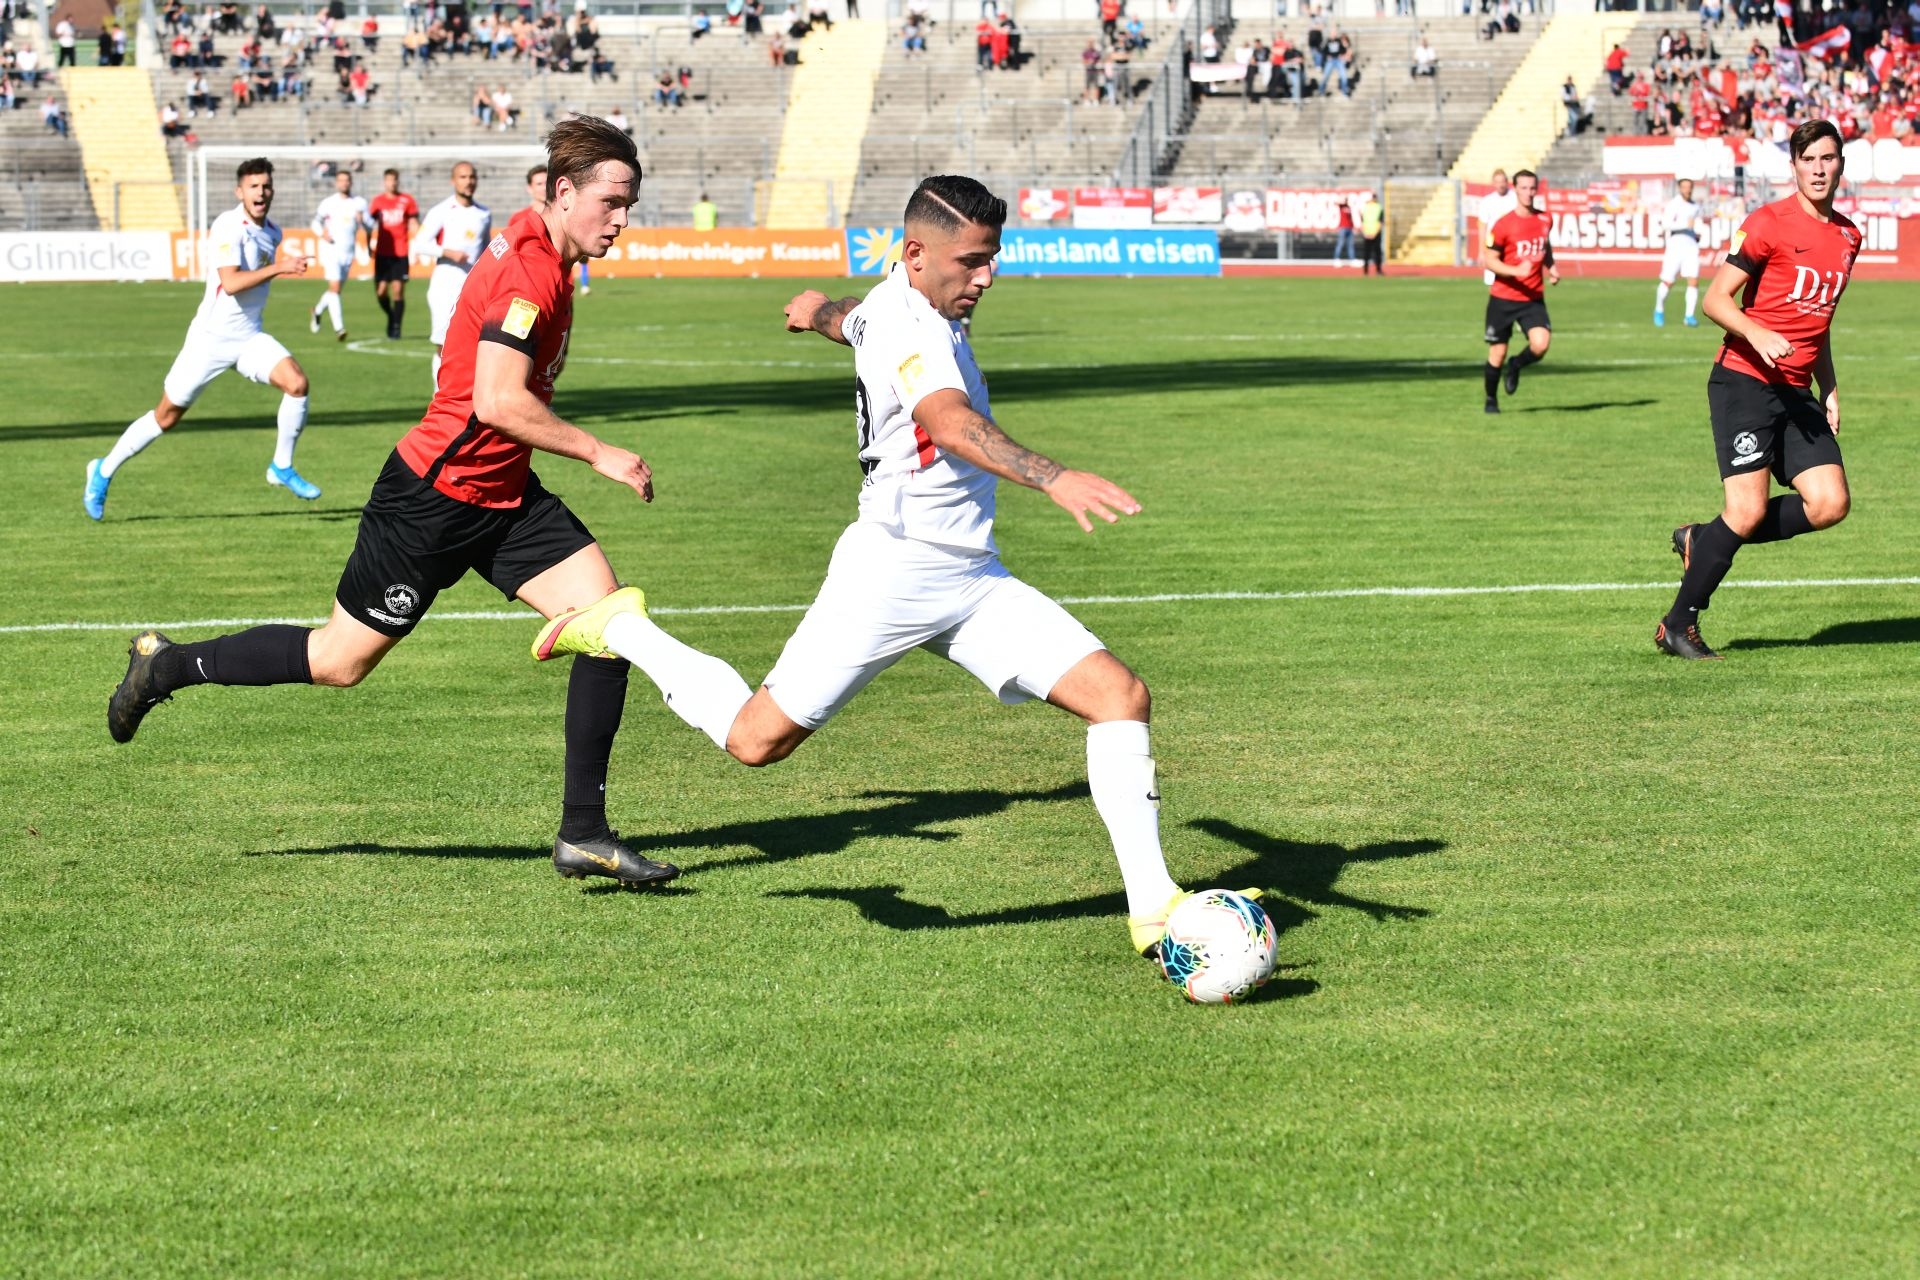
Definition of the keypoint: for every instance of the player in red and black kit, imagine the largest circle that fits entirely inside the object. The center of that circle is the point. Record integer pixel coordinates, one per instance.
(1788, 264)
(396, 217)
(1519, 253)
(458, 494)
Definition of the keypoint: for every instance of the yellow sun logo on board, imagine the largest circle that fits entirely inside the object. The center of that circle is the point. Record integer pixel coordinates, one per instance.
(876, 249)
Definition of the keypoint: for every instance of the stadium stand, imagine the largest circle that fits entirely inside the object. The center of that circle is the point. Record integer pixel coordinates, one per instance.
(43, 182)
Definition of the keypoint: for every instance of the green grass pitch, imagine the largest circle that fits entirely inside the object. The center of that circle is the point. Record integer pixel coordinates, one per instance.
(1594, 963)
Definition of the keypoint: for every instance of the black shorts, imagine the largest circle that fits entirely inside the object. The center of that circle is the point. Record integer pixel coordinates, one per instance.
(1767, 424)
(388, 267)
(415, 542)
(1504, 313)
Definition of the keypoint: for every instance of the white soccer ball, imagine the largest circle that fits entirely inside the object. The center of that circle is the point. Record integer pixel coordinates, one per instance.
(1220, 946)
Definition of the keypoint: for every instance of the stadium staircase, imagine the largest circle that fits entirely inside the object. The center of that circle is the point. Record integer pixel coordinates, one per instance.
(1521, 126)
(116, 121)
(43, 184)
(828, 105)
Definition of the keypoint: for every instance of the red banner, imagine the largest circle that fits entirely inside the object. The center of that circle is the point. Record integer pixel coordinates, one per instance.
(1045, 204)
(1109, 207)
(1311, 209)
(1187, 204)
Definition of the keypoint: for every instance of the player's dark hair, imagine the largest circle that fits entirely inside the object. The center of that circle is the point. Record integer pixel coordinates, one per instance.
(1525, 173)
(260, 164)
(389, 173)
(539, 168)
(1809, 133)
(950, 201)
(578, 147)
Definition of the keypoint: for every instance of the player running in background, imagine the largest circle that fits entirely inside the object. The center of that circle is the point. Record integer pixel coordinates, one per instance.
(398, 217)
(1788, 265)
(458, 493)
(1519, 256)
(537, 198)
(1495, 205)
(338, 222)
(226, 334)
(919, 568)
(1681, 261)
(452, 236)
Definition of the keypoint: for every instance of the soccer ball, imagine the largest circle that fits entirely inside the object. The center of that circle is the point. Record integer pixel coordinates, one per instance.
(1219, 947)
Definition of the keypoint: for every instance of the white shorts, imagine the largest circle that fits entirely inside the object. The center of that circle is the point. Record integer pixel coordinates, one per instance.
(885, 595)
(336, 269)
(203, 359)
(1681, 260)
(443, 291)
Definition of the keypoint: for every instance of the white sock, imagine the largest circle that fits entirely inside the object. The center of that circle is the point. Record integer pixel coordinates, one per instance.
(1693, 296)
(436, 371)
(293, 420)
(1660, 296)
(143, 431)
(1120, 774)
(698, 687)
(333, 311)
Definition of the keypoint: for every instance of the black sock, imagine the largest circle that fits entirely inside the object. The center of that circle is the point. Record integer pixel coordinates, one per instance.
(1786, 518)
(386, 304)
(1525, 358)
(1492, 375)
(399, 312)
(596, 697)
(275, 654)
(1712, 555)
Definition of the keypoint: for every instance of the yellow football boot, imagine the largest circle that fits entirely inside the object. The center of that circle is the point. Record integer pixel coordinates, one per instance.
(578, 631)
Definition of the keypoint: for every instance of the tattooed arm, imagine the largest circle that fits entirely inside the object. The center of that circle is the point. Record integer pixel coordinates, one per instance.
(952, 424)
(814, 311)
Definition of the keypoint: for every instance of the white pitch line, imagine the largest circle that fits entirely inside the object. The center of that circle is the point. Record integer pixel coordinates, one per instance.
(1338, 593)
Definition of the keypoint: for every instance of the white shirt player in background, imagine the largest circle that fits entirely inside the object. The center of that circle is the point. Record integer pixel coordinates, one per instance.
(1682, 220)
(339, 223)
(226, 334)
(451, 237)
(919, 568)
(1495, 205)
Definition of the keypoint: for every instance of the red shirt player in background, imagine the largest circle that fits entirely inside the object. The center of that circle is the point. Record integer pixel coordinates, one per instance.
(458, 494)
(1519, 258)
(396, 217)
(1788, 264)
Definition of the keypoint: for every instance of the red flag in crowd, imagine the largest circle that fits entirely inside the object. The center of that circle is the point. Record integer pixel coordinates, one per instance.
(1826, 46)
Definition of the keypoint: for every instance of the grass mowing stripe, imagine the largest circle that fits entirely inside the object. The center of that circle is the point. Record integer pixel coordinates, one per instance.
(1338, 593)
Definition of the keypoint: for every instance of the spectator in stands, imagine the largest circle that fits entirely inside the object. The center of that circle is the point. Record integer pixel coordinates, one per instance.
(63, 40)
(1293, 66)
(618, 119)
(264, 26)
(504, 115)
(9, 96)
(911, 39)
(1339, 50)
(360, 86)
(1000, 46)
(1259, 68)
(370, 34)
(1090, 73)
(292, 83)
(1136, 34)
(179, 52)
(1012, 29)
(241, 91)
(200, 96)
(53, 116)
(174, 15)
(1617, 70)
(666, 92)
(1570, 103)
(1425, 60)
(266, 84)
(482, 106)
(777, 48)
(601, 64)
(701, 24)
(229, 21)
(818, 16)
(170, 125)
(26, 64)
(750, 17)
(414, 48)
(1317, 43)
(1120, 74)
(1209, 46)
(982, 44)
(1109, 19)
(1639, 95)
(103, 48)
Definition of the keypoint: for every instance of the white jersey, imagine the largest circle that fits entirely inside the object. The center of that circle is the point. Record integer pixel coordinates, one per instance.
(340, 219)
(452, 225)
(903, 350)
(235, 240)
(1682, 218)
(1493, 207)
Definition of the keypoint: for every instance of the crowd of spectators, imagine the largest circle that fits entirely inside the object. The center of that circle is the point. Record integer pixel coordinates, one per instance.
(1696, 86)
(1283, 68)
(1106, 63)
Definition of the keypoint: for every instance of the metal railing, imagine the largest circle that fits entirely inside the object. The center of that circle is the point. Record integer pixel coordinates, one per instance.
(1169, 99)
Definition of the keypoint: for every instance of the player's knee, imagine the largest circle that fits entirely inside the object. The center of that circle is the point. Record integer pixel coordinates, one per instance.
(1743, 518)
(295, 384)
(1828, 510)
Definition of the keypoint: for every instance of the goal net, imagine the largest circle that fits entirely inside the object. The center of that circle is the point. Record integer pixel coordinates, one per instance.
(303, 177)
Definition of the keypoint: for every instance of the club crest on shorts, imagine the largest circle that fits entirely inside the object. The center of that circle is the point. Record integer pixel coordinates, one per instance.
(1746, 442)
(401, 599)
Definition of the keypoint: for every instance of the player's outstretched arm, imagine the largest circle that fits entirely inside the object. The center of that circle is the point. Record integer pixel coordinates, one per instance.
(502, 401)
(953, 425)
(236, 280)
(1722, 306)
(814, 312)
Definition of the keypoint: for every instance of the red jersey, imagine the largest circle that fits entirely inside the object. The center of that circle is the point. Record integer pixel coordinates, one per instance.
(519, 296)
(392, 213)
(1520, 239)
(1797, 266)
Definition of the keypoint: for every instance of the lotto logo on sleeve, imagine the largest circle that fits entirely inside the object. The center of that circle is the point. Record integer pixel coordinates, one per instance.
(1739, 238)
(520, 317)
(913, 372)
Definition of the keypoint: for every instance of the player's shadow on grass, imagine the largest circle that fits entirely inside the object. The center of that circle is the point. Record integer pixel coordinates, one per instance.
(915, 815)
(1297, 878)
(1593, 406)
(1877, 631)
(334, 516)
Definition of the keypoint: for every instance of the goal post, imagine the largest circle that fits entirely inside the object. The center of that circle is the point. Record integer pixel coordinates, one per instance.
(303, 176)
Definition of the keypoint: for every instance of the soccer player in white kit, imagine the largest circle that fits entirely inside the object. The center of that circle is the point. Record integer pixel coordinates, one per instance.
(226, 334)
(1682, 258)
(451, 236)
(340, 221)
(919, 568)
(1495, 205)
